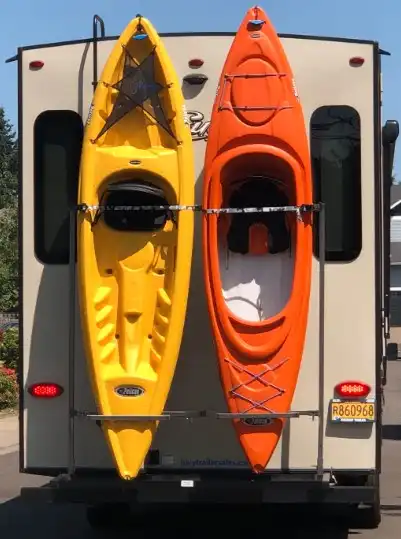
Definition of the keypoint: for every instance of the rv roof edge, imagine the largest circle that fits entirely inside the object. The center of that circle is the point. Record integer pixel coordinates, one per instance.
(200, 34)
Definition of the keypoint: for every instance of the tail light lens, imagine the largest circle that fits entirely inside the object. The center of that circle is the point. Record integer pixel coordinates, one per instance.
(195, 63)
(45, 390)
(356, 61)
(352, 388)
(36, 64)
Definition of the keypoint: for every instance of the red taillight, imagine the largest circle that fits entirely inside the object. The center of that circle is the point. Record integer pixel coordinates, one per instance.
(352, 389)
(195, 62)
(36, 64)
(45, 390)
(356, 61)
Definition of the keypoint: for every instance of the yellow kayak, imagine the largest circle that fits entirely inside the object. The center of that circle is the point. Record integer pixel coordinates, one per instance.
(134, 266)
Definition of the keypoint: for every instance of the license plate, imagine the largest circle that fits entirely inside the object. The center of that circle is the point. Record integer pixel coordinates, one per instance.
(343, 411)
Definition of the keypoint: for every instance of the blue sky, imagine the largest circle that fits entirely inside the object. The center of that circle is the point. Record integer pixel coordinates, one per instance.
(28, 22)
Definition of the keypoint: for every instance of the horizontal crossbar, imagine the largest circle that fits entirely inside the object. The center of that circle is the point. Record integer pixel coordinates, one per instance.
(254, 75)
(198, 208)
(245, 107)
(288, 415)
(198, 414)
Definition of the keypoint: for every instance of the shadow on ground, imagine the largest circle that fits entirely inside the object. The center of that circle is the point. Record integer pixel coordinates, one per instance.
(18, 518)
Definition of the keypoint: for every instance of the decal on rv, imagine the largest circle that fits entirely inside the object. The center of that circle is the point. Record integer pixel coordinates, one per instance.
(198, 125)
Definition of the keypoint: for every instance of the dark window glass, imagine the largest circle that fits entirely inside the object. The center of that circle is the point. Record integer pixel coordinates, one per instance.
(335, 140)
(395, 308)
(57, 152)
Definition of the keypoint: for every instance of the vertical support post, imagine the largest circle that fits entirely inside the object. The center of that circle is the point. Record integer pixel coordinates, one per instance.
(96, 20)
(71, 343)
(322, 256)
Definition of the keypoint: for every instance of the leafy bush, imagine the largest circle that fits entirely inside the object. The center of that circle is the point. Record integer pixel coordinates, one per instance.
(9, 350)
(8, 388)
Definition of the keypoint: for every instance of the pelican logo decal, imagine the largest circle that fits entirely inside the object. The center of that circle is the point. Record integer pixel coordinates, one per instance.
(257, 422)
(129, 391)
(198, 125)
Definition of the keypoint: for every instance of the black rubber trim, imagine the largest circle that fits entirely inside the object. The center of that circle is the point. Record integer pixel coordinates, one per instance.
(168, 489)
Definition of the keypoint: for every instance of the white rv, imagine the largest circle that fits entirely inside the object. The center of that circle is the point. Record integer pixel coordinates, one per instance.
(330, 452)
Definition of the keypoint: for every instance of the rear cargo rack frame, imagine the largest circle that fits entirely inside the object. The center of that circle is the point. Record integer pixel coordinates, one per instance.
(196, 414)
(97, 20)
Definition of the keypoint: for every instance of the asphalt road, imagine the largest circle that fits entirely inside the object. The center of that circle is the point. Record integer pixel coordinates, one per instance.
(19, 518)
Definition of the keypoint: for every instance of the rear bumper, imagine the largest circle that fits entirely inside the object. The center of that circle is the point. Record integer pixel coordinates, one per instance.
(196, 488)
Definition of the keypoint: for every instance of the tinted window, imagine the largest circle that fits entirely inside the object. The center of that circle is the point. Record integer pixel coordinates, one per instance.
(336, 167)
(57, 151)
(395, 308)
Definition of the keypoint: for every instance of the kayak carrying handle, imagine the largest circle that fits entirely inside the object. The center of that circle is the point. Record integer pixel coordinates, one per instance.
(96, 20)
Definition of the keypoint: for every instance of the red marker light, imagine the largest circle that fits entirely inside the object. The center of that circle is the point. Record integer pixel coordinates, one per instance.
(356, 61)
(36, 64)
(352, 389)
(45, 390)
(195, 63)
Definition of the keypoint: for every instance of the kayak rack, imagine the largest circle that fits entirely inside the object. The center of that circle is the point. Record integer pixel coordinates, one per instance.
(195, 414)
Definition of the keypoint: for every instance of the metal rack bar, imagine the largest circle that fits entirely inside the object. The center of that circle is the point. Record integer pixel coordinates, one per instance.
(253, 75)
(189, 414)
(322, 257)
(96, 19)
(71, 342)
(287, 415)
(245, 107)
(198, 414)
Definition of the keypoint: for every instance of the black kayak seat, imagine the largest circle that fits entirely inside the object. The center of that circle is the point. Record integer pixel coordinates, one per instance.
(257, 193)
(135, 193)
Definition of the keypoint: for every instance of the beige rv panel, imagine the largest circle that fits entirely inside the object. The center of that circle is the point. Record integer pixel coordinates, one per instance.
(324, 77)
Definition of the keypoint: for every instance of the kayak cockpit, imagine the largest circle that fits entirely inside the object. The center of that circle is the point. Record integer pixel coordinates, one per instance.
(123, 205)
(256, 250)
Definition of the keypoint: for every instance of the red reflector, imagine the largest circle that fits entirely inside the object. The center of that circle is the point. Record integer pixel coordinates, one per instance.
(356, 61)
(196, 62)
(352, 389)
(45, 390)
(36, 64)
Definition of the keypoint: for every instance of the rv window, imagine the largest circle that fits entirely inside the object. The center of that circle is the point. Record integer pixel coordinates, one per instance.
(336, 167)
(395, 308)
(57, 150)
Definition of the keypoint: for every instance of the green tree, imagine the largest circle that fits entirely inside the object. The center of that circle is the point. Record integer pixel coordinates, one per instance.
(8, 215)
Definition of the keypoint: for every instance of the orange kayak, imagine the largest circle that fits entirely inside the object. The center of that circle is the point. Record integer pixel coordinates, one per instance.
(257, 265)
